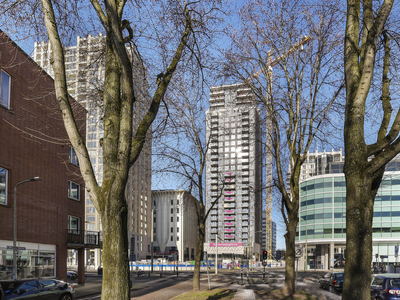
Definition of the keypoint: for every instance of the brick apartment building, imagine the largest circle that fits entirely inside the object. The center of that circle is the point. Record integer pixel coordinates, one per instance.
(50, 212)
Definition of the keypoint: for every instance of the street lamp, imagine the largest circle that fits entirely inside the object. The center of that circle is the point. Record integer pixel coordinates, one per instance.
(216, 253)
(15, 249)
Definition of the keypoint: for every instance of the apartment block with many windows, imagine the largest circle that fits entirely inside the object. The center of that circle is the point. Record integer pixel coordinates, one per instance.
(85, 70)
(174, 224)
(234, 172)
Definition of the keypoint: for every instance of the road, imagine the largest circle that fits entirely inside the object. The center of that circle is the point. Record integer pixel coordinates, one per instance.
(170, 285)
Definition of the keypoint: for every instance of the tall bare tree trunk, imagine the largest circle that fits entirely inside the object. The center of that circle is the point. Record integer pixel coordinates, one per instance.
(199, 250)
(290, 268)
(115, 243)
(359, 214)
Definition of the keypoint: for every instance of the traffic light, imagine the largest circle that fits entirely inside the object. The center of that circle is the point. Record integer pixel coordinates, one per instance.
(265, 255)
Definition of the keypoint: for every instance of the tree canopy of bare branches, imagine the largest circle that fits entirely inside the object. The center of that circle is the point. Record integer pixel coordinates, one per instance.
(287, 52)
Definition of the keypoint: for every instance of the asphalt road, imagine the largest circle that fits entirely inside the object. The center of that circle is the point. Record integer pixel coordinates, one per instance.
(170, 285)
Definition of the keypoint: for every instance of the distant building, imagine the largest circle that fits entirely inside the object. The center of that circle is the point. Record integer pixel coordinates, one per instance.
(234, 166)
(264, 234)
(175, 224)
(322, 212)
(280, 254)
(50, 213)
(85, 70)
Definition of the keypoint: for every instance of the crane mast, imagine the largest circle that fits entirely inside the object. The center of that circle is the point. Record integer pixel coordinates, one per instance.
(268, 68)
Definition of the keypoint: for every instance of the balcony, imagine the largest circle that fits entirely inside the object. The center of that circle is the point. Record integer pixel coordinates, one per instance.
(229, 186)
(229, 193)
(229, 224)
(230, 180)
(245, 217)
(229, 174)
(229, 218)
(229, 211)
(229, 236)
(229, 205)
(84, 239)
(229, 230)
(229, 199)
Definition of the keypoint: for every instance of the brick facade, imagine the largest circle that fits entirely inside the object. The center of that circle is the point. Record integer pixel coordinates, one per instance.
(34, 143)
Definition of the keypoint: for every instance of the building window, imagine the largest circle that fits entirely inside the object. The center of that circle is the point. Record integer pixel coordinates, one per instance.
(172, 219)
(172, 210)
(177, 210)
(172, 202)
(73, 159)
(177, 219)
(172, 229)
(5, 86)
(177, 201)
(172, 238)
(73, 190)
(73, 224)
(177, 238)
(3, 186)
(90, 210)
(177, 229)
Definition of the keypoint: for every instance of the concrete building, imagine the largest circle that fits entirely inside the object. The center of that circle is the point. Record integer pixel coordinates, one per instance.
(174, 224)
(264, 234)
(50, 213)
(85, 69)
(322, 213)
(234, 172)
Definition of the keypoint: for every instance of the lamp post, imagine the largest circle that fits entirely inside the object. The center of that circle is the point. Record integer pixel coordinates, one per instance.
(152, 239)
(15, 249)
(216, 253)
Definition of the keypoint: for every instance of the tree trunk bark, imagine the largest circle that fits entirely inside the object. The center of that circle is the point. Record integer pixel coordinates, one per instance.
(199, 251)
(361, 190)
(290, 271)
(115, 244)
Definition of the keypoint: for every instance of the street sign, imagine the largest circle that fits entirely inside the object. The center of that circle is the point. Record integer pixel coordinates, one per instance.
(396, 251)
(264, 263)
(19, 248)
(298, 252)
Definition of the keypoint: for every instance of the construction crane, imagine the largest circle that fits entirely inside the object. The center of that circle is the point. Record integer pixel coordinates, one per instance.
(271, 63)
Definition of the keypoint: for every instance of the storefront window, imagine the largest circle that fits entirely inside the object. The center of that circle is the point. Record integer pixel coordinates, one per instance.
(30, 264)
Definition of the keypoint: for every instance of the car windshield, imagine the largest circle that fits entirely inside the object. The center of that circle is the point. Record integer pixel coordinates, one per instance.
(395, 282)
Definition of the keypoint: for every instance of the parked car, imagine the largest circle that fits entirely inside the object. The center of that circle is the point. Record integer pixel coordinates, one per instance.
(332, 281)
(38, 289)
(385, 287)
(72, 274)
(2, 296)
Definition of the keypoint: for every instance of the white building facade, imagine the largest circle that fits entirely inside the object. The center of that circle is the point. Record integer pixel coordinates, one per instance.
(85, 70)
(234, 173)
(174, 224)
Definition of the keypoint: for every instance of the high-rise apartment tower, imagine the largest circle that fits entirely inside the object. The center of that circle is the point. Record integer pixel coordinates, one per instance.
(234, 171)
(85, 69)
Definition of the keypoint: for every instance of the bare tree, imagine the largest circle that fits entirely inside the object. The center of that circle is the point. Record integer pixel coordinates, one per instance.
(182, 152)
(369, 39)
(297, 98)
(182, 22)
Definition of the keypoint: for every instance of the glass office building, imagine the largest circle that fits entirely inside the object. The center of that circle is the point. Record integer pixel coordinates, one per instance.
(322, 214)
